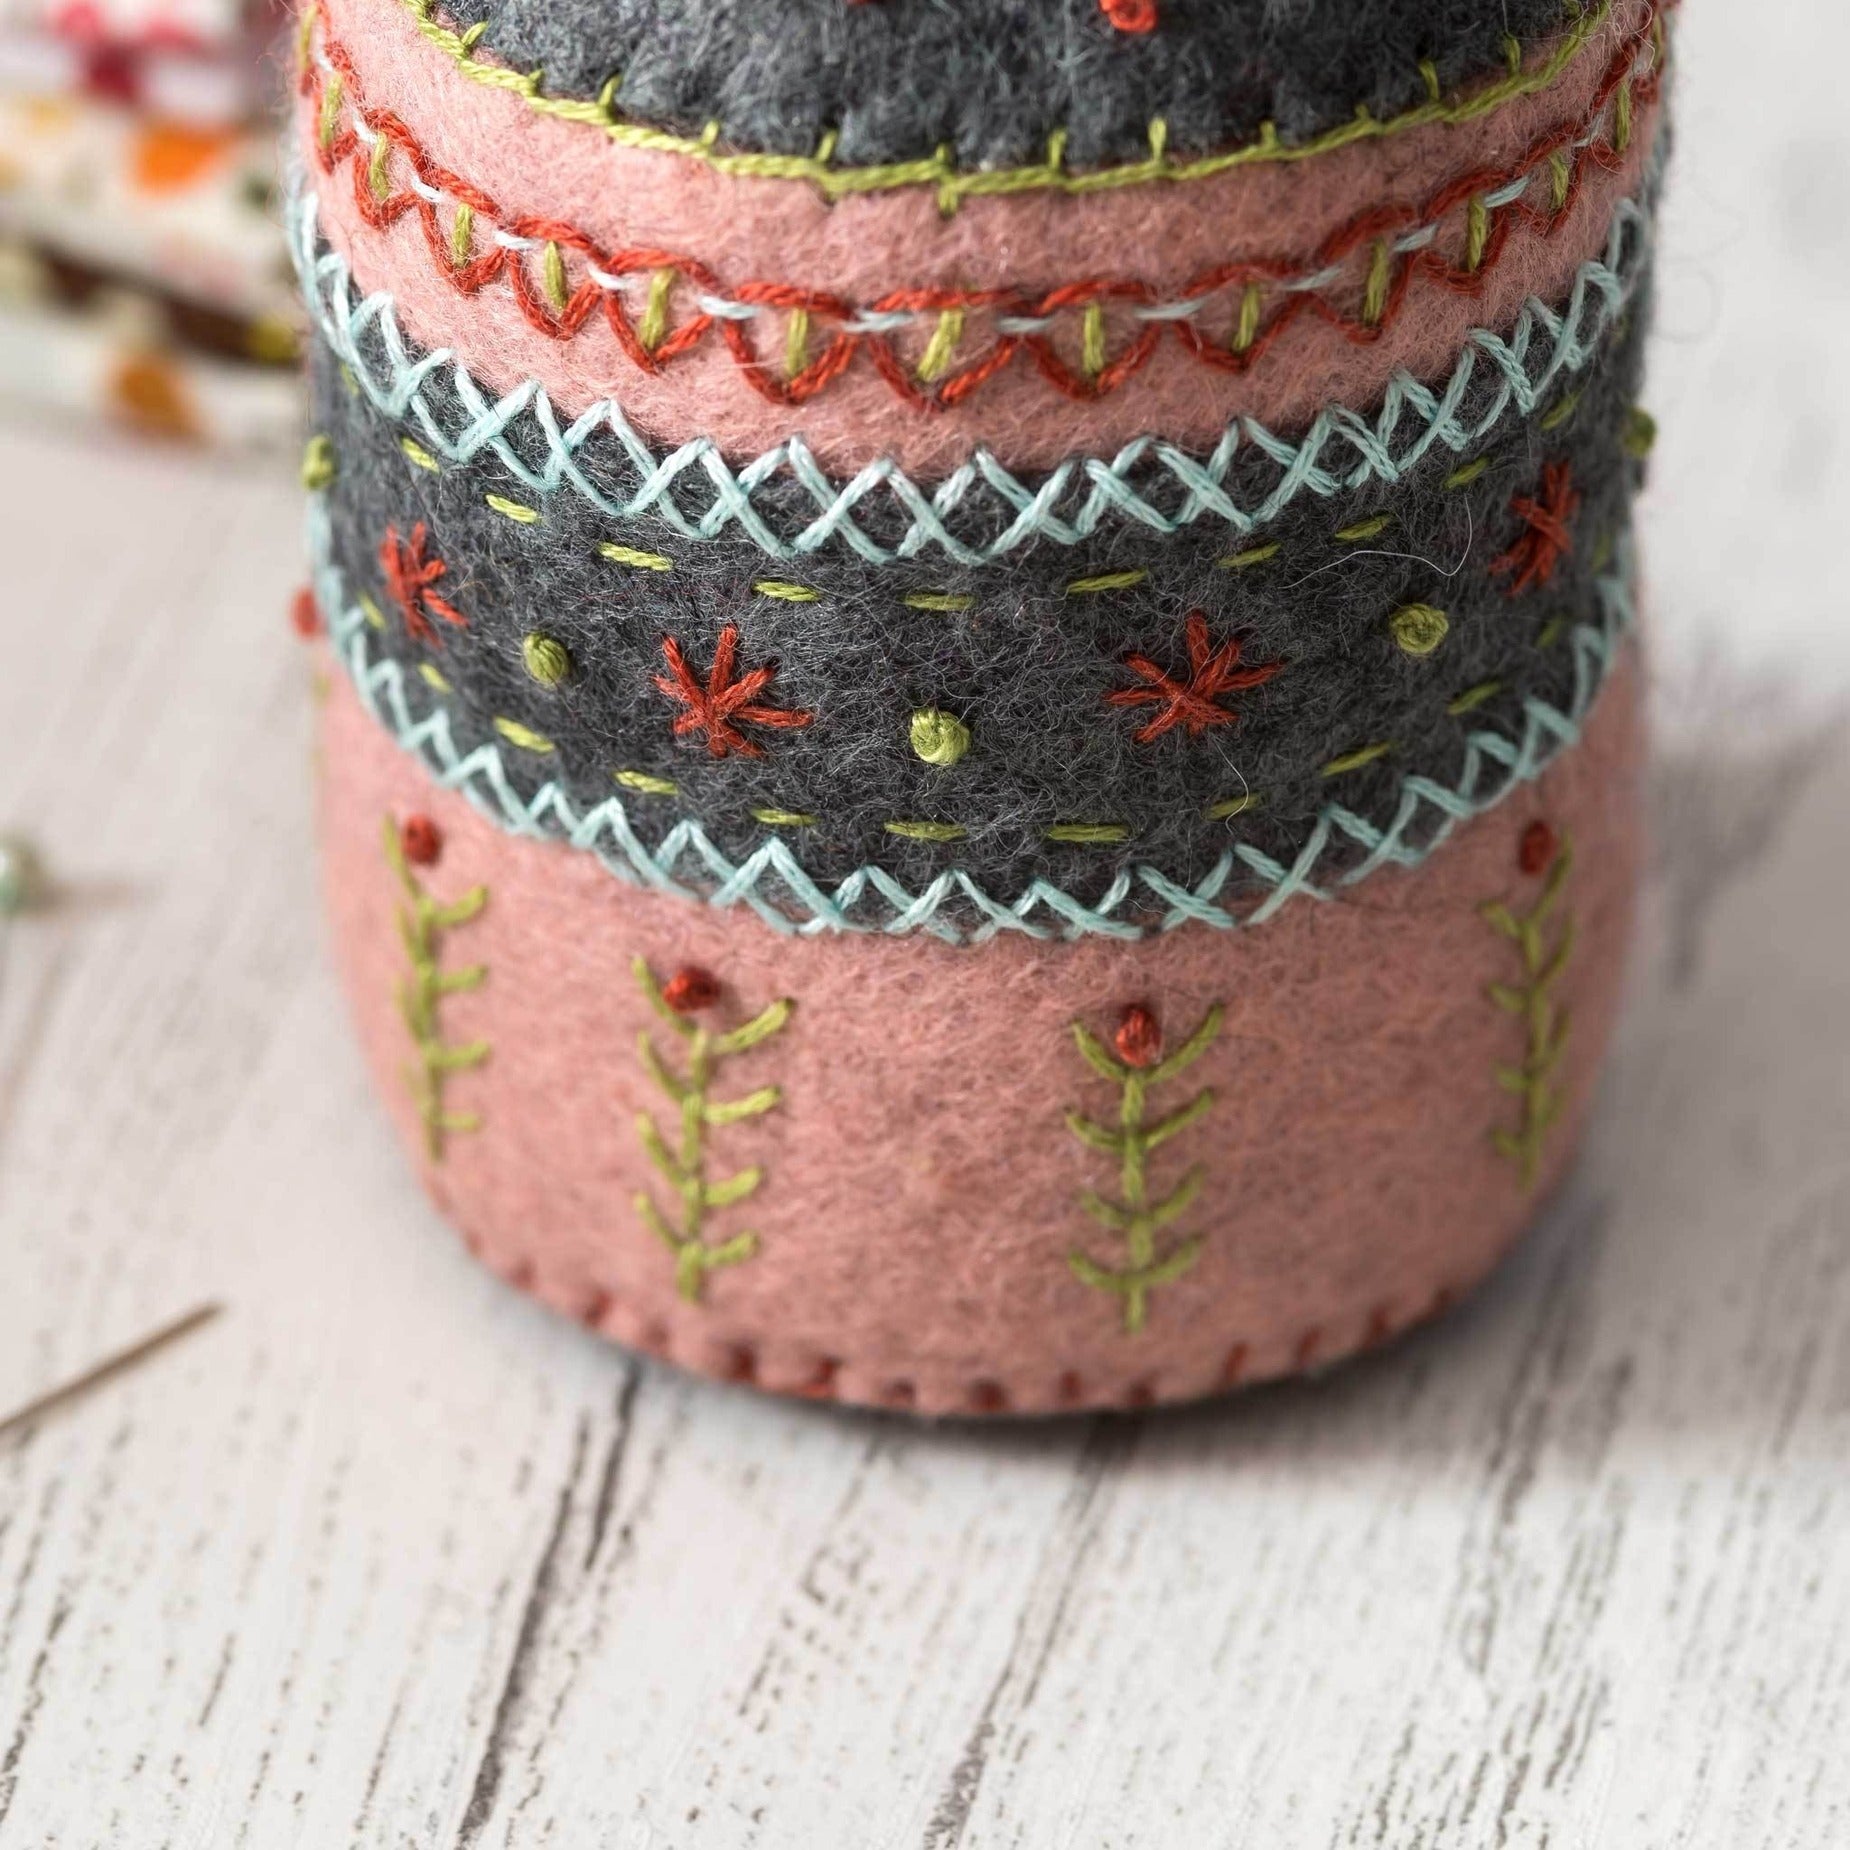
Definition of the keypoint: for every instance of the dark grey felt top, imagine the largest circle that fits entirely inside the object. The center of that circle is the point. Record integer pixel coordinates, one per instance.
(989, 81)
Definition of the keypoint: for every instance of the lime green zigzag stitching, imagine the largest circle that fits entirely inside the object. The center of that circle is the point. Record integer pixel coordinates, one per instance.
(954, 186)
(684, 1168)
(422, 924)
(1137, 1218)
(1544, 1020)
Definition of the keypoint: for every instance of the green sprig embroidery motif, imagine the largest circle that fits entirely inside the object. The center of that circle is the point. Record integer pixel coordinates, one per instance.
(1545, 1021)
(684, 1167)
(1137, 1218)
(422, 925)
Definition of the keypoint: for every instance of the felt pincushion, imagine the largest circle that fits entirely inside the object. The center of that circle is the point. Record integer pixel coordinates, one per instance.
(989, 750)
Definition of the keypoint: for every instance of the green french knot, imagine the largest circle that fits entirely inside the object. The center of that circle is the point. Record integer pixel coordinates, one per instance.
(938, 737)
(318, 465)
(1640, 433)
(1418, 629)
(547, 660)
(1136, 1217)
(684, 1166)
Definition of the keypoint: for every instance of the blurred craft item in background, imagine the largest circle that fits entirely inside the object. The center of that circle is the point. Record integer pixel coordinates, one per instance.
(143, 279)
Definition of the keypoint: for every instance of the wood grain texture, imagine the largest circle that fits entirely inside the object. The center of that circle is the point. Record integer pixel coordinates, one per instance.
(387, 1557)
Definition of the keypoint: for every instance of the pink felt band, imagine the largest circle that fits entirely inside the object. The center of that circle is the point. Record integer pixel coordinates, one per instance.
(921, 1195)
(567, 180)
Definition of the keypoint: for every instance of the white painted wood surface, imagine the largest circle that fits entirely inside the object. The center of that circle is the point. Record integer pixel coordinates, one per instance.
(390, 1558)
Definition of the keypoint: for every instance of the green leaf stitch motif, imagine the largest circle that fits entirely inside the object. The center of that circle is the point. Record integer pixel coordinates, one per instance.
(1137, 1218)
(683, 1165)
(423, 923)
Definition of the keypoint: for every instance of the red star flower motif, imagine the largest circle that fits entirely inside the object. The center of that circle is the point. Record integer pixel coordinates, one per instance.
(1194, 703)
(713, 708)
(1536, 551)
(411, 575)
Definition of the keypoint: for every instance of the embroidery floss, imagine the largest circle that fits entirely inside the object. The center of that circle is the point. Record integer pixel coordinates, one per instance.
(686, 994)
(1138, 1217)
(1161, 586)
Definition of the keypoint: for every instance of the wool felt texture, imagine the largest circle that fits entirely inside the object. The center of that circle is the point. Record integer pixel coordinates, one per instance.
(899, 80)
(1073, 757)
(921, 1194)
(1029, 404)
(1244, 887)
(622, 196)
(983, 511)
(1098, 366)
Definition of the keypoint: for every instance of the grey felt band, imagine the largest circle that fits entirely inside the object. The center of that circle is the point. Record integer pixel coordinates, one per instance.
(561, 644)
(990, 80)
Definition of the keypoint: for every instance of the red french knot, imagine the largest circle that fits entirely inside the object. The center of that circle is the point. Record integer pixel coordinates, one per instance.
(1139, 1039)
(690, 990)
(305, 614)
(421, 840)
(712, 708)
(1535, 853)
(412, 575)
(1194, 703)
(1535, 552)
(836, 323)
(1130, 15)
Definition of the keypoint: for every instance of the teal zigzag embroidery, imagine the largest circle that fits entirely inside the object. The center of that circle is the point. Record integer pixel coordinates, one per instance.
(773, 883)
(982, 511)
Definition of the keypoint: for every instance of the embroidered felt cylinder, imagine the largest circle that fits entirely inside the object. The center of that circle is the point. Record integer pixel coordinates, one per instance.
(988, 749)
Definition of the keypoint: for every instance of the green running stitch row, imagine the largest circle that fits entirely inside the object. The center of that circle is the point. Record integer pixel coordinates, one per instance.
(871, 900)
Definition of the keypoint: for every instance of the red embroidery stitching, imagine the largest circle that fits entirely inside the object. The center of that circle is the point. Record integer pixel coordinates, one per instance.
(1130, 15)
(1139, 1039)
(1193, 703)
(743, 1361)
(411, 576)
(560, 310)
(1536, 850)
(1537, 550)
(420, 840)
(690, 990)
(713, 707)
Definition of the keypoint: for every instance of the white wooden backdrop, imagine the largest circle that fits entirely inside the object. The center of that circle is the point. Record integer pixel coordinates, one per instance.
(388, 1557)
